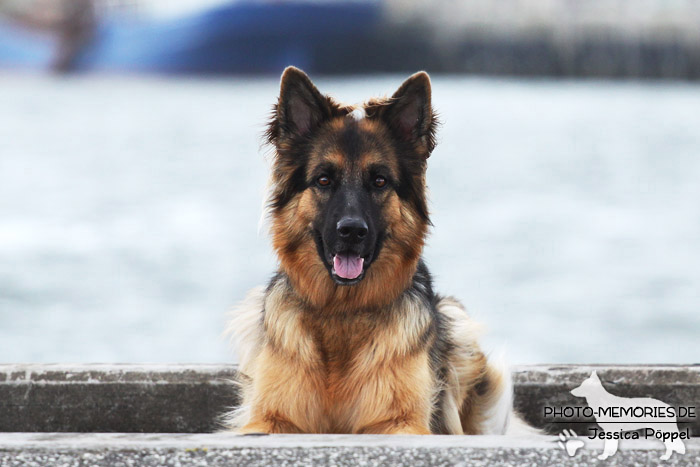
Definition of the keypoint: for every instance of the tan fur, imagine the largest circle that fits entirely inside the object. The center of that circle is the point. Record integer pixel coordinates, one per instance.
(378, 385)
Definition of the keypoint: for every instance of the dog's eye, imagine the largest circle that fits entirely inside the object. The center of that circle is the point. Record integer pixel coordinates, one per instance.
(323, 180)
(380, 182)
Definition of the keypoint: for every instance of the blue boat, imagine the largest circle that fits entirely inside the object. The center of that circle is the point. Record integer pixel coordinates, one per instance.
(239, 37)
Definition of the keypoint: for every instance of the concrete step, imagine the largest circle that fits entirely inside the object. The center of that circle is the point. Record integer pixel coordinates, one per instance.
(165, 415)
(227, 449)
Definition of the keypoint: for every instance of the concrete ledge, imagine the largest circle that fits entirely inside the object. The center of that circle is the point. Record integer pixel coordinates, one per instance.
(189, 398)
(220, 449)
(539, 386)
(171, 398)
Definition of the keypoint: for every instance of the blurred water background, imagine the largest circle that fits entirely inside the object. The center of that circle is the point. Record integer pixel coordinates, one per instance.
(566, 213)
(131, 174)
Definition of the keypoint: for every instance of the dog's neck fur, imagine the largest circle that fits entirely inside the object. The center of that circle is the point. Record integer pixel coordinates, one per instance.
(369, 295)
(376, 291)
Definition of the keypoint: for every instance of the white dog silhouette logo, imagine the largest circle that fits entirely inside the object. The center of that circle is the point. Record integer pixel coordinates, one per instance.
(617, 415)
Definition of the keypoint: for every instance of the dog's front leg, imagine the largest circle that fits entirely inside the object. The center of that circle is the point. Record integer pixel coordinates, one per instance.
(284, 397)
(269, 423)
(397, 426)
(395, 398)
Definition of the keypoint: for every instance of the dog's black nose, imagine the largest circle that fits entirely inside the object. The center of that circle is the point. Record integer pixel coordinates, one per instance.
(352, 229)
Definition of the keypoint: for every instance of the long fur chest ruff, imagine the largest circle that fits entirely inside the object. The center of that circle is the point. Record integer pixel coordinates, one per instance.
(337, 374)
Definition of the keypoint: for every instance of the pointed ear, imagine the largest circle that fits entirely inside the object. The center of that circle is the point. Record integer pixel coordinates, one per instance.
(410, 114)
(301, 107)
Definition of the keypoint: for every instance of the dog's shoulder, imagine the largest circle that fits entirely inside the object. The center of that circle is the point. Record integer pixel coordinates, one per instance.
(273, 317)
(461, 327)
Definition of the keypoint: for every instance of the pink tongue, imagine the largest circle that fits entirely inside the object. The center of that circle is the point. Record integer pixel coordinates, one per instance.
(348, 266)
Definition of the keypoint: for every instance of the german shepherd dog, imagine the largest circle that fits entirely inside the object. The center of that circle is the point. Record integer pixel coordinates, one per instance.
(349, 336)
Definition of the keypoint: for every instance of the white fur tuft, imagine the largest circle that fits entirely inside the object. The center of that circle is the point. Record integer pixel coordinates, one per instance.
(245, 326)
(265, 208)
(358, 114)
(245, 329)
(501, 419)
(499, 414)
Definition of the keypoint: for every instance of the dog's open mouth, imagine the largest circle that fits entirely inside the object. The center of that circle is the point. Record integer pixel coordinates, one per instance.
(348, 266)
(345, 264)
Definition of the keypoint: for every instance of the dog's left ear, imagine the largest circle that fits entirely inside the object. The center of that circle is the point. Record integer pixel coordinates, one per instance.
(410, 114)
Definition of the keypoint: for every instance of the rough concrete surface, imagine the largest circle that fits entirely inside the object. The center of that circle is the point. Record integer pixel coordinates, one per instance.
(223, 449)
(115, 398)
(189, 398)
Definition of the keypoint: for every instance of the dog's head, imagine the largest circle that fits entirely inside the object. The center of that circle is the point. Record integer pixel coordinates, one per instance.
(348, 185)
(588, 387)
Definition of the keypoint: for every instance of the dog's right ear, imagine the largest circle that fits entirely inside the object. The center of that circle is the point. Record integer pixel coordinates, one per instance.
(300, 108)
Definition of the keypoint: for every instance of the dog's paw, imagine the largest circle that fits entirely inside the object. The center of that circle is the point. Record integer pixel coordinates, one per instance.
(568, 441)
